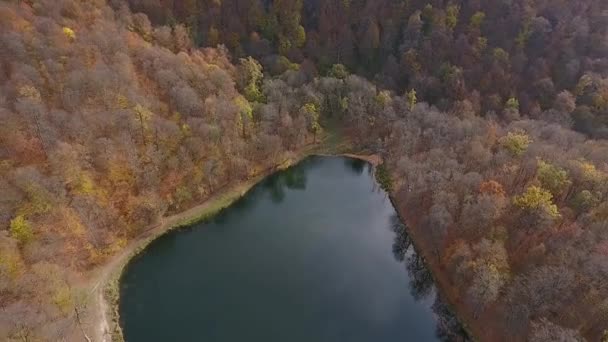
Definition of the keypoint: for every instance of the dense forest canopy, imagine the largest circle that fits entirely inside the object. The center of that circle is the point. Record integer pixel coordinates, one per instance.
(544, 54)
(489, 115)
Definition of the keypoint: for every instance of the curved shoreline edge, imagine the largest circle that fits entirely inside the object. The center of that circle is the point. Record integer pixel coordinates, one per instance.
(105, 291)
(106, 298)
(105, 295)
(437, 281)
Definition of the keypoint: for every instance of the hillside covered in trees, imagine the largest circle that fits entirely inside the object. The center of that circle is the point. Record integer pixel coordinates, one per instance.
(486, 52)
(490, 116)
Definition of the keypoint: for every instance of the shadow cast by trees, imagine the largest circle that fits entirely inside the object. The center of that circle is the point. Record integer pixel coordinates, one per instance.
(422, 285)
(357, 166)
(293, 178)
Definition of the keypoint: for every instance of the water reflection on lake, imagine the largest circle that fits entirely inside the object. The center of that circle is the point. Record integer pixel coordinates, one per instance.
(313, 253)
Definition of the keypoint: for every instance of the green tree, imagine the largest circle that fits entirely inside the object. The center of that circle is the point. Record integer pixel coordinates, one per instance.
(338, 71)
(584, 201)
(383, 98)
(21, 229)
(384, 178)
(311, 113)
(427, 16)
(213, 36)
(553, 178)
(523, 36)
(477, 20)
(412, 99)
(300, 36)
(269, 26)
(250, 78)
(284, 24)
(284, 45)
(252, 93)
(501, 56)
(481, 45)
(516, 143)
(451, 16)
(251, 70)
(244, 117)
(283, 64)
(512, 103)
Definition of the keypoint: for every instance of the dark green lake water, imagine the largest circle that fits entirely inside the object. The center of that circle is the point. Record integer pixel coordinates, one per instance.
(313, 253)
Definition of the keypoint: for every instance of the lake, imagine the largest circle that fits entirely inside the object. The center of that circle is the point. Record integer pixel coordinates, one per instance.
(312, 253)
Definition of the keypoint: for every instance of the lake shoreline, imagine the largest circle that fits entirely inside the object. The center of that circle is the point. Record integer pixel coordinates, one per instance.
(102, 284)
(104, 325)
(105, 290)
(441, 283)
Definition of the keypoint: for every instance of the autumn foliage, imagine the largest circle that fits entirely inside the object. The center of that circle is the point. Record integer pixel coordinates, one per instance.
(489, 116)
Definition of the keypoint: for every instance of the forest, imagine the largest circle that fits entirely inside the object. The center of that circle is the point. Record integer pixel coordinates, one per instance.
(490, 116)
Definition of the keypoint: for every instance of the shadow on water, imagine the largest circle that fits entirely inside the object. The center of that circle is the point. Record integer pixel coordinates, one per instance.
(356, 165)
(236, 278)
(293, 178)
(448, 326)
(402, 242)
(422, 285)
(421, 280)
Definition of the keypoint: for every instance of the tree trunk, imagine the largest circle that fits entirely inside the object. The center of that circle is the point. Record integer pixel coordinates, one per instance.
(141, 125)
(39, 134)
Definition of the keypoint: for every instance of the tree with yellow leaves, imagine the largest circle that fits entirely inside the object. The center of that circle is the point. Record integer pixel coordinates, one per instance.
(21, 229)
(553, 178)
(411, 98)
(69, 33)
(311, 113)
(516, 143)
(536, 198)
